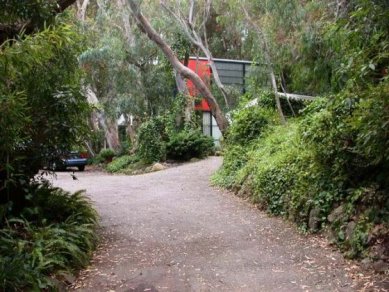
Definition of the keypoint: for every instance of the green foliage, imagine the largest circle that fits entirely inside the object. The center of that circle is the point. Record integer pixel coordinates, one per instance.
(106, 154)
(336, 154)
(234, 158)
(359, 43)
(43, 111)
(151, 140)
(248, 123)
(122, 162)
(55, 233)
(188, 144)
(350, 134)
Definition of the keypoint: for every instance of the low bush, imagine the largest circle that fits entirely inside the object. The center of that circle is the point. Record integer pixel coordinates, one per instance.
(188, 144)
(55, 234)
(120, 163)
(105, 156)
(248, 123)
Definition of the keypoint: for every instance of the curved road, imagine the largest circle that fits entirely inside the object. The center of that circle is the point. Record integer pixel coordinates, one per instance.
(171, 231)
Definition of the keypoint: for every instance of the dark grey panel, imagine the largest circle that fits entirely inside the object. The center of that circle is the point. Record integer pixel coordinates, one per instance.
(224, 73)
(231, 80)
(229, 66)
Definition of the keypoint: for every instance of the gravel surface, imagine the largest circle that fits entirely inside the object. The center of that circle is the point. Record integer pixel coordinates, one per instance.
(171, 231)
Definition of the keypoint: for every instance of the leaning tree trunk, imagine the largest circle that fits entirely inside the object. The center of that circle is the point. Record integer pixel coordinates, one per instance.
(185, 72)
(188, 27)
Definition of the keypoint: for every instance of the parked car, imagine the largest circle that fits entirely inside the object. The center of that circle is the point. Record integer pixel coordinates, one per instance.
(71, 159)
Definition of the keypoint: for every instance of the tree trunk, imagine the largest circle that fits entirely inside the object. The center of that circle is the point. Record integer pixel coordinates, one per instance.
(82, 10)
(126, 22)
(182, 89)
(112, 134)
(109, 127)
(188, 27)
(266, 52)
(277, 97)
(185, 72)
(131, 131)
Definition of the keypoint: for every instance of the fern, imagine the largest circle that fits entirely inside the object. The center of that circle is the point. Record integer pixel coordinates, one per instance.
(60, 237)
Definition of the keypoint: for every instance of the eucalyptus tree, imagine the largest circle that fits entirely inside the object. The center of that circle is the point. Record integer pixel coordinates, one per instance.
(192, 18)
(17, 18)
(185, 72)
(126, 74)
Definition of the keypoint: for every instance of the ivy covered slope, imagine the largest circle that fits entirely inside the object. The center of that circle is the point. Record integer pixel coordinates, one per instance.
(329, 167)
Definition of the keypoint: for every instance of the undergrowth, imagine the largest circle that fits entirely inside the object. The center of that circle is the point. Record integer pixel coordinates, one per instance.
(122, 162)
(161, 138)
(55, 234)
(323, 170)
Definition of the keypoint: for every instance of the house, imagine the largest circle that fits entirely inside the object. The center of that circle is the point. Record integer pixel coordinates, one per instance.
(231, 73)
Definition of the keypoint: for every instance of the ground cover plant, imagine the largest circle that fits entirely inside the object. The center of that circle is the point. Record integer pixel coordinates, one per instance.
(317, 172)
(54, 235)
(43, 230)
(328, 167)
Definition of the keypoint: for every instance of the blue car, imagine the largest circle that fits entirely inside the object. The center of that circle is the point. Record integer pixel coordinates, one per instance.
(72, 159)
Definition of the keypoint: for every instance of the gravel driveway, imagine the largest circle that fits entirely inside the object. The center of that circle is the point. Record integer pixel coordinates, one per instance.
(171, 231)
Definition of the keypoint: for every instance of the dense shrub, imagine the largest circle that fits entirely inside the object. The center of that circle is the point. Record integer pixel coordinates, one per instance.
(188, 144)
(121, 163)
(105, 156)
(234, 158)
(248, 123)
(151, 141)
(56, 232)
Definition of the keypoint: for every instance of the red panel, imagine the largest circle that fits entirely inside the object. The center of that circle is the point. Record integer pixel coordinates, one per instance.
(203, 106)
(202, 69)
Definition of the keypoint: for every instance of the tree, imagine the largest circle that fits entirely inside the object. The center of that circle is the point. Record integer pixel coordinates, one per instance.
(268, 60)
(45, 107)
(18, 18)
(126, 74)
(197, 33)
(145, 27)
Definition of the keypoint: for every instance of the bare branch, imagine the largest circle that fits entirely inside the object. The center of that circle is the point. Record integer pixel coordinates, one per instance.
(191, 9)
(188, 26)
(268, 60)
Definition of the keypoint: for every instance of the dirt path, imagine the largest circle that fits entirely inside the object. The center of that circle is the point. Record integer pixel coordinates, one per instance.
(171, 231)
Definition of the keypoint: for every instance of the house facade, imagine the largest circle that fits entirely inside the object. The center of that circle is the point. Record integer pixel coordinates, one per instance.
(231, 73)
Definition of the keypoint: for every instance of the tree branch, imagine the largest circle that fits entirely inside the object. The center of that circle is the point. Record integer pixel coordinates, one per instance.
(185, 72)
(10, 31)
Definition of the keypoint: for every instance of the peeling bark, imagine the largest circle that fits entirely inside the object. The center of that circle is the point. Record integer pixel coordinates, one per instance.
(82, 10)
(109, 126)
